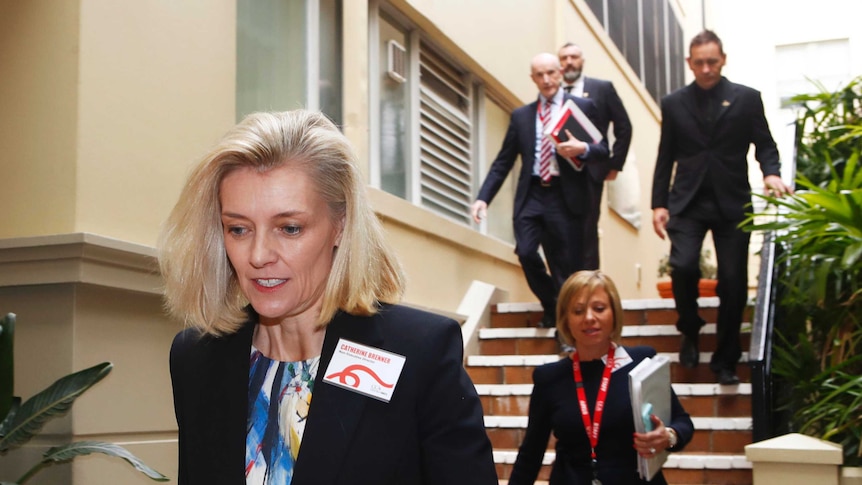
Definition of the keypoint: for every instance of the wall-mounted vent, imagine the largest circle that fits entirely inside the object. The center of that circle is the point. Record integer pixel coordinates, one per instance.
(397, 61)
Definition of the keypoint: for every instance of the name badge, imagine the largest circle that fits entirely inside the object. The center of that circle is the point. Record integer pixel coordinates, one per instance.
(363, 369)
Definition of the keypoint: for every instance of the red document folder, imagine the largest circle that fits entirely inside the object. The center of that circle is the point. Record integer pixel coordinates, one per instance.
(571, 118)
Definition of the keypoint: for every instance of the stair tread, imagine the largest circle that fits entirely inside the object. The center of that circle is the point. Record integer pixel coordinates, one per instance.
(631, 304)
(740, 423)
(681, 389)
(628, 331)
(533, 360)
(680, 459)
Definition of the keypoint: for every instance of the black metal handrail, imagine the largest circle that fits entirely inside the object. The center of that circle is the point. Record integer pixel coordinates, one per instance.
(760, 350)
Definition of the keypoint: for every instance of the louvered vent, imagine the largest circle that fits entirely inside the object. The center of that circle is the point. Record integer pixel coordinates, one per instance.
(445, 137)
(396, 62)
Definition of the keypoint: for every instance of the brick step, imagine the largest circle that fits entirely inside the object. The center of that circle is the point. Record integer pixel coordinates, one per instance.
(533, 341)
(712, 435)
(703, 400)
(635, 312)
(680, 468)
(518, 369)
(513, 347)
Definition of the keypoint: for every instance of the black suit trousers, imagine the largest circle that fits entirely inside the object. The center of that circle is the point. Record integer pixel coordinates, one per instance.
(687, 231)
(591, 224)
(545, 220)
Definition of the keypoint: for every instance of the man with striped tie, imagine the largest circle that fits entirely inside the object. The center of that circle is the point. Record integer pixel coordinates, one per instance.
(551, 198)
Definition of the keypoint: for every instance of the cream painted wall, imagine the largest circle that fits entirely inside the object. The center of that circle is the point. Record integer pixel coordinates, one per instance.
(106, 105)
(502, 36)
(499, 220)
(441, 258)
(355, 92)
(157, 89)
(38, 55)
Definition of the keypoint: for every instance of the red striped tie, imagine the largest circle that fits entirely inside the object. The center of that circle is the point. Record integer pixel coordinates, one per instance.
(547, 151)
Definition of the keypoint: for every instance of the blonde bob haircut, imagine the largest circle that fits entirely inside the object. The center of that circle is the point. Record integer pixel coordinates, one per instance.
(582, 285)
(201, 287)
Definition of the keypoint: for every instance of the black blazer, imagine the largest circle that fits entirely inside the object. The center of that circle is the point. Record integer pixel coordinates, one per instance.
(521, 140)
(723, 153)
(610, 109)
(554, 408)
(431, 431)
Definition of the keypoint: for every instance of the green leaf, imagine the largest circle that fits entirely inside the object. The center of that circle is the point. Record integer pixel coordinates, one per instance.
(61, 454)
(55, 401)
(851, 255)
(6, 424)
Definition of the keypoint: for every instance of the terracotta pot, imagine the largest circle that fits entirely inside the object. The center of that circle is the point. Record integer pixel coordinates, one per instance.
(705, 288)
(664, 289)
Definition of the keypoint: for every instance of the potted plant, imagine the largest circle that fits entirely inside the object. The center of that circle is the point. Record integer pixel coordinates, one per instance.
(708, 274)
(20, 422)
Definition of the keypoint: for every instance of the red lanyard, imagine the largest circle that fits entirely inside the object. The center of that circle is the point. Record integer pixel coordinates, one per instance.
(593, 427)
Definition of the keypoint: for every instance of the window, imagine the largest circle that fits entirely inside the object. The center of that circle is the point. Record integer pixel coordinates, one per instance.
(424, 118)
(649, 36)
(797, 66)
(289, 56)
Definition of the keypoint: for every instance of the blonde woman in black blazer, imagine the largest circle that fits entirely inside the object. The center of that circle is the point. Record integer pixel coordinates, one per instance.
(275, 260)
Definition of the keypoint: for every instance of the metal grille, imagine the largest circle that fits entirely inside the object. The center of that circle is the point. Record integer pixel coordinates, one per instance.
(445, 138)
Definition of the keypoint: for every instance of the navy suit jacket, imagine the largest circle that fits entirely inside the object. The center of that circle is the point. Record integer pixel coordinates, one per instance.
(431, 431)
(610, 110)
(521, 140)
(722, 152)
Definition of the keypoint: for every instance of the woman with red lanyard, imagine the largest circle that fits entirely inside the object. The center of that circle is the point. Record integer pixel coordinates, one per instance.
(584, 399)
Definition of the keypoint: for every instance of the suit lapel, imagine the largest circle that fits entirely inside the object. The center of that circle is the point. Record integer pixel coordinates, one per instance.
(335, 413)
(690, 104)
(588, 88)
(229, 385)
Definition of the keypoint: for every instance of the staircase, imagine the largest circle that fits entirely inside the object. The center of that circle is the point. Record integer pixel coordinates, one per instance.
(512, 347)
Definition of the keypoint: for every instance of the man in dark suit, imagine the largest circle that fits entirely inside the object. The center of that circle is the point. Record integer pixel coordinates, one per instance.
(707, 128)
(551, 197)
(611, 111)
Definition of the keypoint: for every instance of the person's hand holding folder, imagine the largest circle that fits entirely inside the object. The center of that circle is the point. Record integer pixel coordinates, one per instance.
(572, 147)
(572, 131)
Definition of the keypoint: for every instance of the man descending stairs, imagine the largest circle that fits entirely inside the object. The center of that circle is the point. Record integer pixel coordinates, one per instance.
(514, 346)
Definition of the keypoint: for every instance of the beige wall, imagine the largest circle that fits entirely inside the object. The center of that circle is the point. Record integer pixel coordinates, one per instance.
(106, 104)
(38, 55)
(157, 87)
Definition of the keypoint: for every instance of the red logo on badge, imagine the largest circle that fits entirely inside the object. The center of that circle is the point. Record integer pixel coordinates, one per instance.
(348, 373)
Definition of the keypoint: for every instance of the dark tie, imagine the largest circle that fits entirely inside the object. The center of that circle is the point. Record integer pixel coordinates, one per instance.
(568, 88)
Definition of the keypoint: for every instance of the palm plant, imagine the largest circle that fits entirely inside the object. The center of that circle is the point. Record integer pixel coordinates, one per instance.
(818, 352)
(828, 129)
(21, 422)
